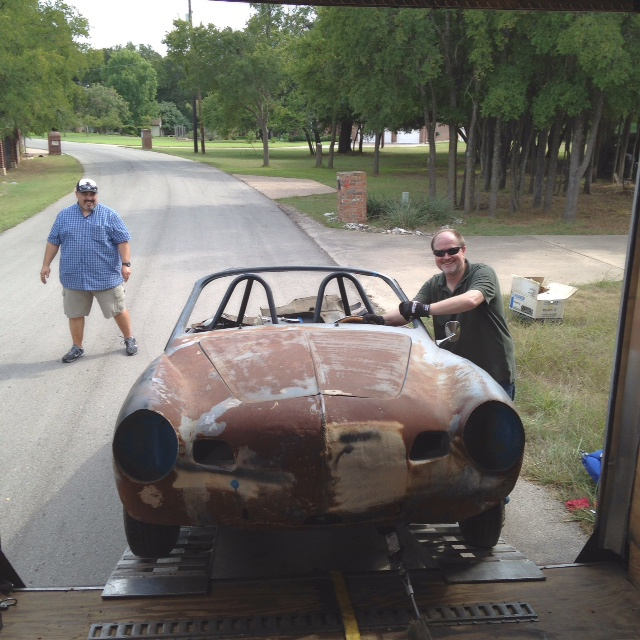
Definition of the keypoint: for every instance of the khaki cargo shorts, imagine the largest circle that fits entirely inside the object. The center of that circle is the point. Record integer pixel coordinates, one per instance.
(78, 303)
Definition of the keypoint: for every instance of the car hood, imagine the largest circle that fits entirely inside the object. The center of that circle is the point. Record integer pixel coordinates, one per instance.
(259, 364)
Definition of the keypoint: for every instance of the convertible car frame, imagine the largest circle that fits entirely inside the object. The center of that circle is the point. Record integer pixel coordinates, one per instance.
(284, 410)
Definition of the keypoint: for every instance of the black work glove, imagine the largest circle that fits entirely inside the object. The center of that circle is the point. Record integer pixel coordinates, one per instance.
(413, 309)
(372, 318)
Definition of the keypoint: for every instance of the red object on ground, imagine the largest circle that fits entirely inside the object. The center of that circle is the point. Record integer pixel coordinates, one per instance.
(575, 505)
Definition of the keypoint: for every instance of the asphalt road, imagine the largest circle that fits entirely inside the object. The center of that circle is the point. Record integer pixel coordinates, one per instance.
(60, 518)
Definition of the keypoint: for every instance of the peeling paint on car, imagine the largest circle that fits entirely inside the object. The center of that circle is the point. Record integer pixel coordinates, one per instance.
(152, 496)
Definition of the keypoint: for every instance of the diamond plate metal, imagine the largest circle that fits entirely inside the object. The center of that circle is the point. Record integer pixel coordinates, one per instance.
(489, 613)
(444, 546)
(231, 627)
(185, 572)
(312, 623)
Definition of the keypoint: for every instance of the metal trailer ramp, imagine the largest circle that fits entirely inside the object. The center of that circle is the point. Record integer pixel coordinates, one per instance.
(439, 548)
(186, 571)
(442, 546)
(300, 625)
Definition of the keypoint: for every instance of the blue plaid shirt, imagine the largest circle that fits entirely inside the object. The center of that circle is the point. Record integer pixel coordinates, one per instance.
(89, 257)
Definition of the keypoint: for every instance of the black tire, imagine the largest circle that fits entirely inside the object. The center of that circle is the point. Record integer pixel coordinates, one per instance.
(150, 540)
(483, 531)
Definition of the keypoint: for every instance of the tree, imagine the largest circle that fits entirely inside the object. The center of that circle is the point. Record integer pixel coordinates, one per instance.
(103, 108)
(40, 61)
(171, 117)
(244, 69)
(320, 87)
(136, 81)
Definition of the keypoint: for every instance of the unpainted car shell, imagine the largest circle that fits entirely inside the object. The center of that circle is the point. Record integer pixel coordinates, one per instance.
(280, 426)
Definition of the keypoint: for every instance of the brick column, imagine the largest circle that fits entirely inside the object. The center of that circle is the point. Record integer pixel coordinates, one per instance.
(352, 196)
(55, 146)
(146, 139)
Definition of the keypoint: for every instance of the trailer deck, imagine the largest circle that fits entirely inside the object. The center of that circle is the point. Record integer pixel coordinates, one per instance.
(461, 593)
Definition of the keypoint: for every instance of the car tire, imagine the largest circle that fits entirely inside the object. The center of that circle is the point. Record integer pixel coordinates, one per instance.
(150, 540)
(484, 530)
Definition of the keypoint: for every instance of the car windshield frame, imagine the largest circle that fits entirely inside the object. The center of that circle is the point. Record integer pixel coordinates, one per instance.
(181, 326)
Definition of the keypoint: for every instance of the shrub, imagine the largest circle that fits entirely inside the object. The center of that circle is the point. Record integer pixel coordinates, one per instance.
(376, 207)
(420, 212)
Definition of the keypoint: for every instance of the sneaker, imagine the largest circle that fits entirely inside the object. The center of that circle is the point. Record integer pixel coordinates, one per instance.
(131, 346)
(73, 354)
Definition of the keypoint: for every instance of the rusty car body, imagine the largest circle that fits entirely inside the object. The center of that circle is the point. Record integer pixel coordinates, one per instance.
(286, 412)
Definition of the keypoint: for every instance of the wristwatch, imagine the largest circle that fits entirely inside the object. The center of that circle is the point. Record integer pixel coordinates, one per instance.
(126, 264)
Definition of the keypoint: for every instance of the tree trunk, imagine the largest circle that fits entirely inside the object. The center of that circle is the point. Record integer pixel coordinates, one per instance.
(470, 159)
(312, 151)
(452, 161)
(344, 141)
(376, 154)
(495, 168)
(318, 155)
(588, 178)
(616, 157)
(624, 143)
(332, 145)
(452, 166)
(265, 143)
(538, 175)
(201, 121)
(521, 158)
(555, 136)
(578, 164)
(487, 152)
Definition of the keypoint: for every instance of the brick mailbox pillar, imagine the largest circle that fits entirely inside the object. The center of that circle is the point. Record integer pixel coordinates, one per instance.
(55, 146)
(146, 139)
(352, 196)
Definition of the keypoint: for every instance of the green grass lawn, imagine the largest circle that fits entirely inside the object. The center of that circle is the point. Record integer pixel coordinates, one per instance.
(564, 368)
(607, 211)
(34, 185)
(564, 379)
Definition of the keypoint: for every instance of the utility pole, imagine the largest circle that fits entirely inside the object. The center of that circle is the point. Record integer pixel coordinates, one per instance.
(193, 101)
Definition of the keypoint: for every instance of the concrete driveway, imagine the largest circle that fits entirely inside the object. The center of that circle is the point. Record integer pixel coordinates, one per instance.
(572, 260)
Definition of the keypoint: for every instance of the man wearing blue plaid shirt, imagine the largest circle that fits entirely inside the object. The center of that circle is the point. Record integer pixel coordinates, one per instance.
(94, 263)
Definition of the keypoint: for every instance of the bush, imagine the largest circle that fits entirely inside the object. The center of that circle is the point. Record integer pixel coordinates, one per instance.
(376, 207)
(421, 212)
(130, 130)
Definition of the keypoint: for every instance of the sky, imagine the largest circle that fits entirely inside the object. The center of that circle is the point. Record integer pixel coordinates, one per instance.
(116, 22)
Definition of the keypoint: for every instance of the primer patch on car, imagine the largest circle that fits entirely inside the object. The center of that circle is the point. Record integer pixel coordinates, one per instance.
(152, 496)
(210, 423)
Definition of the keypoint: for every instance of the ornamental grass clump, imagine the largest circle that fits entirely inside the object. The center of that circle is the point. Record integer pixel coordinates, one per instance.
(411, 214)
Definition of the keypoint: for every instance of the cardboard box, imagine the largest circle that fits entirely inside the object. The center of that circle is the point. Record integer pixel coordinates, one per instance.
(535, 298)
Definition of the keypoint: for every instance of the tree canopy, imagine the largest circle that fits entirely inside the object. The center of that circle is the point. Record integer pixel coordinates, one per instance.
(40, 61)
(546, 102)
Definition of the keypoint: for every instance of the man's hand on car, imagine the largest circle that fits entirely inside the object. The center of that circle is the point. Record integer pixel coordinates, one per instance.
(413, 309)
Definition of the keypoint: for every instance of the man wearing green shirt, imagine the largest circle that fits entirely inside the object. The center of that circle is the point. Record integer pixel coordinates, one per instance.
(469, 293)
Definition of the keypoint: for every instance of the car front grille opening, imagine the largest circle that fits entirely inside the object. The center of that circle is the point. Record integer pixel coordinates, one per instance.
(429, 445)
(214, 453)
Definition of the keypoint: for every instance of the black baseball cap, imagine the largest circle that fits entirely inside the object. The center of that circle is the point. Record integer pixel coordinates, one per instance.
(85, 185)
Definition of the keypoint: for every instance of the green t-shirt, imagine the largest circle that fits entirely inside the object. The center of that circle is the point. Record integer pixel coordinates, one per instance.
(484, 335)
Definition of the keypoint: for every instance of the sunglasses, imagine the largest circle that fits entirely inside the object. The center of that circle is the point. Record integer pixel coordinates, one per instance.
(441, 253)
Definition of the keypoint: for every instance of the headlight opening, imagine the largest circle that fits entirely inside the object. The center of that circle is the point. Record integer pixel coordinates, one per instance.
(145, 446)
(494, 436)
